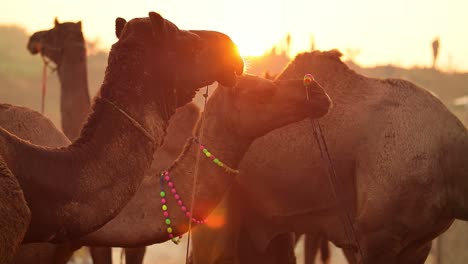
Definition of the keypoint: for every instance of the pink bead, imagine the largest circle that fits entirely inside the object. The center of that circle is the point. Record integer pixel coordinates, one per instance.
(199, 222)
(171, 235)
(187, 214)
(170, 184)
(177, 197)
(183, 208)
(167, 178)
(212, 157)
(194, 220)
(166, 173)
(173, 190)
(202, 147)
(179, 202)
(166, 214)
(163, 201)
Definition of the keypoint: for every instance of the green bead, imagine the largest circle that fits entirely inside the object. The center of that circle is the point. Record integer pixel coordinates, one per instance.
(208, 154)
(175, 240)
(205, 150)
(168, 221)
(162, 194)
(164, 207)
(216, 161)
(169, 230)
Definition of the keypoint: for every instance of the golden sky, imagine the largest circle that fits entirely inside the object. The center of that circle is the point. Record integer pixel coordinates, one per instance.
(384, 31)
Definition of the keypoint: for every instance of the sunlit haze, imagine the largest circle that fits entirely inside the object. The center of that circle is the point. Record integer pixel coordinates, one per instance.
(385, 32)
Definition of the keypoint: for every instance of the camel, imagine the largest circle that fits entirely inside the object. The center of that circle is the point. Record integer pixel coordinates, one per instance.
(139, 94)
(255, 106)
(400, 156)
(64, 45)
(34, 127)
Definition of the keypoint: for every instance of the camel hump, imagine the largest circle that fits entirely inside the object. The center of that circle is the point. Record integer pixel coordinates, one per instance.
(32, 126)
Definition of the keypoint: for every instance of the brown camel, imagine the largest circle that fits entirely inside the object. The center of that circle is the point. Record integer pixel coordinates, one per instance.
(234, 118)
(64, 45)
(140, 92)
(34, 127)
(400, 156)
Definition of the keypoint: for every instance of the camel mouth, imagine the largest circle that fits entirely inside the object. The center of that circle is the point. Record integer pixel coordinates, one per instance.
(229, 77)
(34, 47)
(319, 102)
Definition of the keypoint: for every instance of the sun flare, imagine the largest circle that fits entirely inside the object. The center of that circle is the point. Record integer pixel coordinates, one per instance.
(250, 48)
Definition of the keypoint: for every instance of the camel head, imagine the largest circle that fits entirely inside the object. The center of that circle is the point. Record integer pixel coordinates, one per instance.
(51, 43)
(256, 106)
(183, 60)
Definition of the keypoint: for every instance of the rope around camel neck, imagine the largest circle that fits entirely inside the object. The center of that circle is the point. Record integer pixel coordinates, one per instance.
(44, 83)
(195, 174)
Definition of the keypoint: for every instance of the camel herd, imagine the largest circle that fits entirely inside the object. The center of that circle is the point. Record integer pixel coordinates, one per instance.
(400, 156)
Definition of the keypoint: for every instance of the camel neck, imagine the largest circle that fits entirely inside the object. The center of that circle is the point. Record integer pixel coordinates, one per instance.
(212, 180)
(75, 190)
(75, 102)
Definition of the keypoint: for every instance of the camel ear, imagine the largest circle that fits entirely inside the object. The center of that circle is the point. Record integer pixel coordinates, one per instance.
(158, 24)
(119, 25)
(56, 22)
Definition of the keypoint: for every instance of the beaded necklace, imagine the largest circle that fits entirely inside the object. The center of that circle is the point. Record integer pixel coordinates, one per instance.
(165, 177)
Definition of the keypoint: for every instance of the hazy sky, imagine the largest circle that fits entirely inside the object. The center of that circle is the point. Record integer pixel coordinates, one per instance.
(391, 31)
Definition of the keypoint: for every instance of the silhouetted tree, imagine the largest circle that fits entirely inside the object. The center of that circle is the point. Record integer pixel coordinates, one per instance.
(435, 51)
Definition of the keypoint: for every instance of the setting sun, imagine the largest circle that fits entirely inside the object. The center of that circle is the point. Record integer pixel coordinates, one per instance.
(250, 48)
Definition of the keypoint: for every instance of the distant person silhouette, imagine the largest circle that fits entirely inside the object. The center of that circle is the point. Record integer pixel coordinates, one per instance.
(435, 51)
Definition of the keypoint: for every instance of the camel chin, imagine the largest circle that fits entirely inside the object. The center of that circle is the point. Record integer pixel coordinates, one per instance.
(228, 79)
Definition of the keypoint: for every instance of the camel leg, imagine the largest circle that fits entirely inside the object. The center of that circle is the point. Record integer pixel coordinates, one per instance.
(101, 255)
(64, 252)
(282, 248)
(311, 247)
(134, 255)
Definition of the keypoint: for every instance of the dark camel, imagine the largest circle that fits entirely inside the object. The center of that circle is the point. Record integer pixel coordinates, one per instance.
(401, 159)
(234, 118)
(139, 94)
